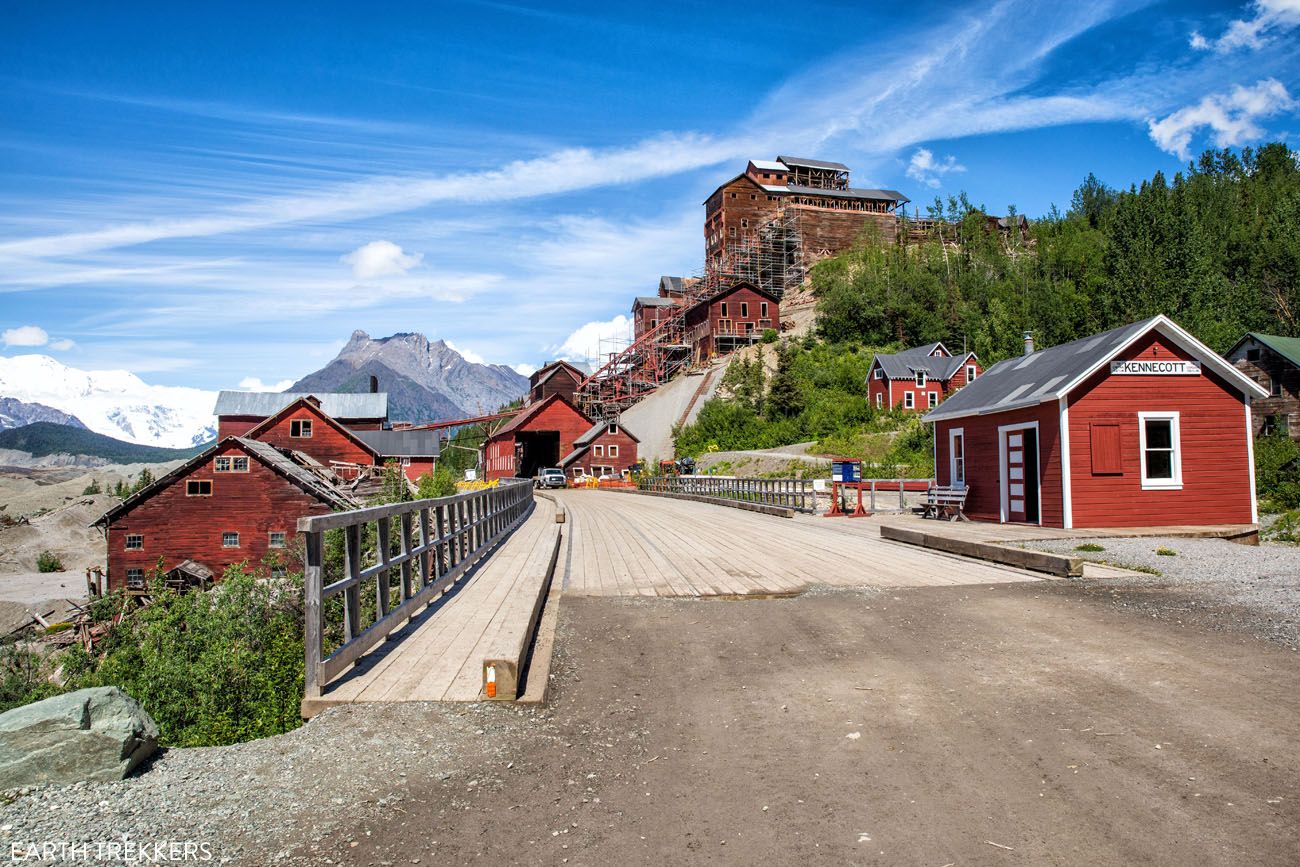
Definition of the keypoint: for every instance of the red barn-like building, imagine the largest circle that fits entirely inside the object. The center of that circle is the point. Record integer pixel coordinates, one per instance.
(238, 502)
(606, 449)
(303, 426)
(534, 439)
(920, 378)
(558, 377)
(648, 311)
(1139, 426)
(731, 319)
(238, 412)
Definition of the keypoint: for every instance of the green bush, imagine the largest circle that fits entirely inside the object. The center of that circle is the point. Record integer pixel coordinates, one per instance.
(211, 668)
(92, 488)
(1162, 551)
(1277, 472)
(1089, 548)
(24, 676)
(770, 335)
(439, 483)
(1285, 529)
(48, 561)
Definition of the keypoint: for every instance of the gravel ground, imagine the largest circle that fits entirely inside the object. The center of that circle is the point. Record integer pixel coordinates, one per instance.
(1261, 582)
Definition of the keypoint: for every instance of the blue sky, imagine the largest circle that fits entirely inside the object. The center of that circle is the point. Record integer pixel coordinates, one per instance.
(210, 194)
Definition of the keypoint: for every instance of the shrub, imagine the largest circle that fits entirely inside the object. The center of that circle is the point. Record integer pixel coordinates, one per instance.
(1162, 551)
(92, 488)
(770, 335)
(24, 676)
(1285, 529)
(1277, 472)
(439, 483)
(48, 561)
(1089, 548)
(211, 668)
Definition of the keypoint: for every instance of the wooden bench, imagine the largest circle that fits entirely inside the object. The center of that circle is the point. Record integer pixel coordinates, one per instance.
(945, 502)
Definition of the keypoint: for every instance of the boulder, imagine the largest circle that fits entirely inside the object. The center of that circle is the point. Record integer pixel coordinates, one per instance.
(99, 734)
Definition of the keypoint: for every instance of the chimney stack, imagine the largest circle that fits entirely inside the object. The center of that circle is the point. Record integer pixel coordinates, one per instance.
(1029, 343)
(374, 385)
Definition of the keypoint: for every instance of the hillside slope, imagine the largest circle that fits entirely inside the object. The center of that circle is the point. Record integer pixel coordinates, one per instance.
(46, 438)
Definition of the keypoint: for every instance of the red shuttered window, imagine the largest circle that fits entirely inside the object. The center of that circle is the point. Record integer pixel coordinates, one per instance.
(1106, 458)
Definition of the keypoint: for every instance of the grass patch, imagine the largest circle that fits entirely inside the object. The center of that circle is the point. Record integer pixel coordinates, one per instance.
(1089, 548)
(1162, 551)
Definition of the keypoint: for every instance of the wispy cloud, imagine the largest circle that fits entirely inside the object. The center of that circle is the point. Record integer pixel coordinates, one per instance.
(925, 169)
(253, 383)
(1232, 117)
(380, 259)
(593, 340)
(1270, 19)
(25, 335)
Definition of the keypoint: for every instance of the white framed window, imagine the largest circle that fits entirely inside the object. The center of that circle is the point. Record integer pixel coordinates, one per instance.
(1160, 444)
(957, 458)
(278, 571)
(744, 309)
(599, 451)
(221, 465)
(878, 373)
(762, 309)
(880, 400)
(300, 428)
(277, 539)
(134, 577)
(933, 399)
(970, 373)
(230, 464)
(134, 542)
(724, 309)
(406, 462)
(612, 451)
(612, 429)
(239, 465)
(920, 379)
(229, 540)
(909, 400)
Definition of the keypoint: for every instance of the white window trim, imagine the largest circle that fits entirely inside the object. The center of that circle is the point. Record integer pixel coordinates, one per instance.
(932, 399)
(1005, 491)
(226, 533)
(270, 539)
(953, 435)
(1176, 483)
(127, 546)
(303, 424)
(880, 400)
(920, 379)
(909, 400)
(878, 373)
(611, 451)
(971, 373)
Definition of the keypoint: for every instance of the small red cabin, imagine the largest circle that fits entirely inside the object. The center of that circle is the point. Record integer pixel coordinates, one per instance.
(304, 427)
(1140, 426)
(606, 449)
(534, 439)
(648, 311)
(238, 502)
(919, 378)
(558, 377)
(238, 412)
(731, 319)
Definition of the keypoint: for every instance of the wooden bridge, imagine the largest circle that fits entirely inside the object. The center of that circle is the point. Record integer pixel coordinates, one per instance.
(434, 600)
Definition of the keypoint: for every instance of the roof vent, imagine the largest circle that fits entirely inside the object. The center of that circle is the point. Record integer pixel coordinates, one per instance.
(1029, 343)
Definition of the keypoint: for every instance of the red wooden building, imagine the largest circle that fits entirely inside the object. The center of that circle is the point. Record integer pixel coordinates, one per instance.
(558, 377)
(304, 426)
(238, 412)
(238, 502)
(648, 311)
(534, 439)
(417, 451)
(1139, 426)
(919, 378)
(606, 449)
(731, 319)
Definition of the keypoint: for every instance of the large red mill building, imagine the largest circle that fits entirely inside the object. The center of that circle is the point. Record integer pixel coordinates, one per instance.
(1138, 426)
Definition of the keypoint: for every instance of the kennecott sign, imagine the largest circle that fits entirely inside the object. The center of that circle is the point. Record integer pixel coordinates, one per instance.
(1156, 368)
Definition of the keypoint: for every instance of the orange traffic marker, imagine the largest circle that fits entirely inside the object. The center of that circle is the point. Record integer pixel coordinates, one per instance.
(491, 684)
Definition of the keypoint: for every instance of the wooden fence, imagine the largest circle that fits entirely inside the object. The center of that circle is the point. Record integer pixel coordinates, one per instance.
(411, 551)
(794, 494)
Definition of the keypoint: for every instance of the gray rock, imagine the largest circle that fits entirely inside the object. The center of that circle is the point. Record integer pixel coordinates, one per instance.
(99, 734)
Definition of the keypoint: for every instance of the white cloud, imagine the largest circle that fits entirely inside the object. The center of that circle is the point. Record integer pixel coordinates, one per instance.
(1231, 117)
(524, 369)
(923, 167)
(63, 344)
(468, 354)
(380, 259)
(25, 335)
(1270, 17)
(591, 342)
(252, 383)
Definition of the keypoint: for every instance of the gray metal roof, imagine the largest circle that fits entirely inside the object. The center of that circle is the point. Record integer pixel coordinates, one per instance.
(402, 443)
(906, 364)
(672, 284)
(1047, 374)
(265, 404)
(852, 193)
(769, 165)
(813, 164)
(653, 301)
(597, 429)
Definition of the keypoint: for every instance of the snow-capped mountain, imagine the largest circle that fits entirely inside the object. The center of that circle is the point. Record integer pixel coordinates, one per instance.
(16, 413)
(116, 403)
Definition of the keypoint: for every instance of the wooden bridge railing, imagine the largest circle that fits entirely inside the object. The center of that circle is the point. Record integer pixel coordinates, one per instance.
(435, 543)
(794, 494)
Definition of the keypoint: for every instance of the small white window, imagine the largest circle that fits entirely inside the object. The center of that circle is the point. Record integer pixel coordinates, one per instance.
(599, 451)
(613, 429)
(744, 309)
(970, 373)
(909, 400)
(724, 309)
(933, 398)
(879, 373)
(612, 451)
(277, 539)
(221, 465)
(239, 465)
(134, 578)
(762, 309)
(300, 428)
(406, 462)
(1162, 463)
(135, 542)
(229, 540)
(880, 400)
(957, 458)
(920, 379)
(279, 572)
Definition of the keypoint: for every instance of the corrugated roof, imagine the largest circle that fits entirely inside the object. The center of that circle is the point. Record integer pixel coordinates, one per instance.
(653, 301)
(852, 193)
(597, 429)
(572, 456)
(402, 443)
(1287, 347)
(1048, 374)
(264, 404)
(813, 164)
(906, 364)
(672, 284)
(770, 165)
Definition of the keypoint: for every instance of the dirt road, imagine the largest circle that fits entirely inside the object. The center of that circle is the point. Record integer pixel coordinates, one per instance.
(1012, 724)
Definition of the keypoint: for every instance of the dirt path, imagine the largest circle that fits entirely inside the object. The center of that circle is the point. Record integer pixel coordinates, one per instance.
(1012, 724)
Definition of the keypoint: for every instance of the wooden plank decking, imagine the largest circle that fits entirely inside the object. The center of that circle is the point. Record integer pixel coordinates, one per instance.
(624, 544)
(439, 655)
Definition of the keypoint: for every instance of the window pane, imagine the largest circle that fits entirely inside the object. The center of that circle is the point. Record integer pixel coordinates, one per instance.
(1159, 433)
(1160, 465)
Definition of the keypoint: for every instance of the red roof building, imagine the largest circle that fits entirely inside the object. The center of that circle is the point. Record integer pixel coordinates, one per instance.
(558, 377)
(731, 319)
(534, 439)
(606, 449)
(1139, 426)
(920, 378)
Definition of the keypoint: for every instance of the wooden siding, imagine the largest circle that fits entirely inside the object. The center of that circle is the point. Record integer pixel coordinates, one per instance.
(1212, 431)
(236, 425)
(558, 416)
(1267, 412)
(329, 440)
(903, 386)
(706, 320)
(563, 382)
(983, 472)
(627, 453)
(178, 527)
